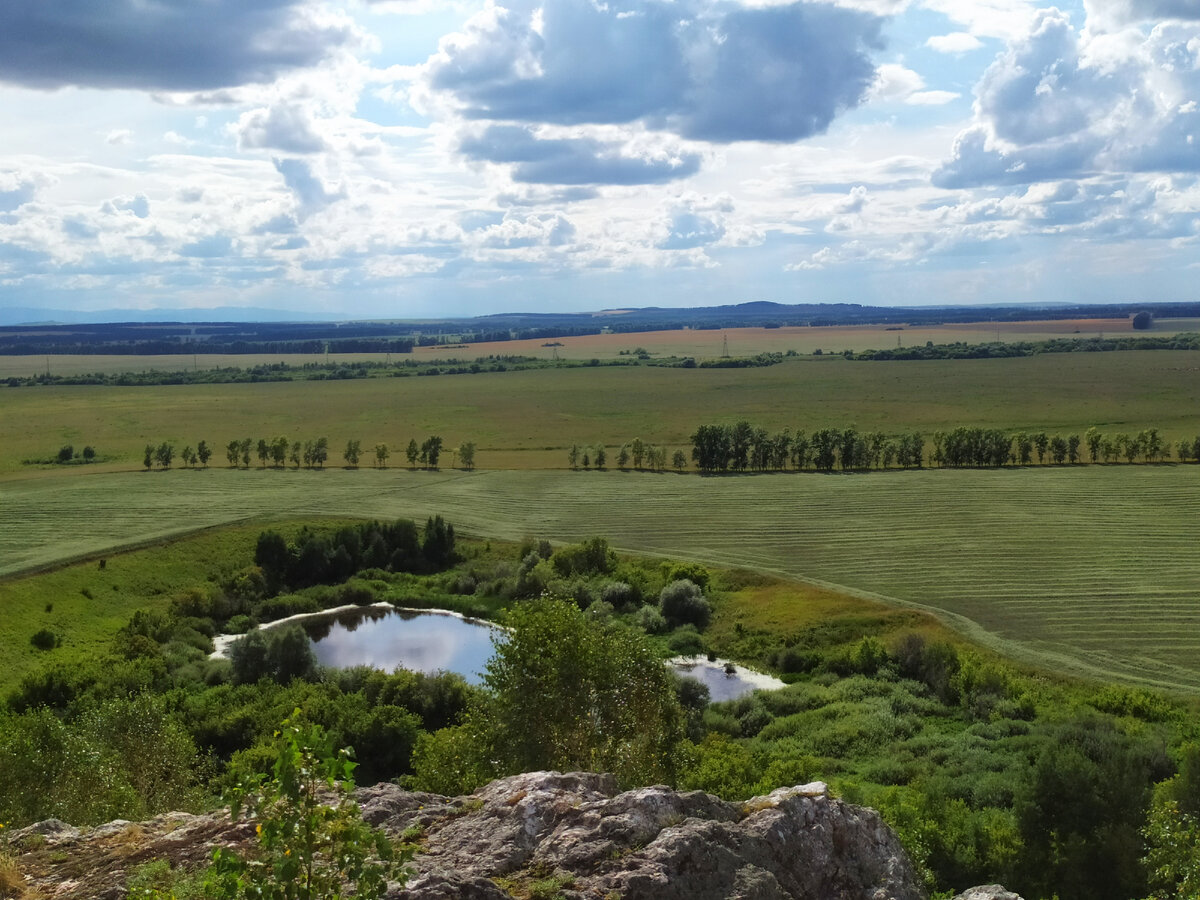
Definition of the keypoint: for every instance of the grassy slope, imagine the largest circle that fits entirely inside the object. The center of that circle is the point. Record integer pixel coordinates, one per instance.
(146, 578)
(1090, 569)
(527, 419)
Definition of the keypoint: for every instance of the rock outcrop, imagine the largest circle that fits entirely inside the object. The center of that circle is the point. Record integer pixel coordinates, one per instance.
(987, 892)
(545, 834)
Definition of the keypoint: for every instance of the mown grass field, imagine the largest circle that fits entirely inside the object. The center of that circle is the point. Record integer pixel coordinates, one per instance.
(526, 420)
(1089, 570)
(706, 344)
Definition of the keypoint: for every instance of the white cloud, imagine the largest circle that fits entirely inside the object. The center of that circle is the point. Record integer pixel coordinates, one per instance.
(17, 189)
(932, 98)
(987, 18)
(310, 192)
(139, 205)
(955, 42)
(895, 83)
(696, 70)
(282, 126)
(1063, 103)
(1108, 14)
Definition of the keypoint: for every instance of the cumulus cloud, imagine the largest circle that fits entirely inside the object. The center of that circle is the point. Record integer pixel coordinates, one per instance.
(283, 126)
(895, 83)
(537, 230)
(1114, 13)
(164, 46)
(687, 229)
(699, 70)
(16, 190)
(1061, 103)
(579, 161)
(309, 191)
(139, 205)
(564, 87)
(988, 18)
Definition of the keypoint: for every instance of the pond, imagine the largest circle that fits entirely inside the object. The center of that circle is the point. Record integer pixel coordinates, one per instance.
(724, 680)
(421, 640)
(434, 640)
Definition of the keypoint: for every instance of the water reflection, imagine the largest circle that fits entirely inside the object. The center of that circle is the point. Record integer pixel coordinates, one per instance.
(437, 640)
(423, 641)
(724, 680)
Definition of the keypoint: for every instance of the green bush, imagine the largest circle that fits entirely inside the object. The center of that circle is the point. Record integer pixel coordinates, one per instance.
(45, 639)
(683, 603)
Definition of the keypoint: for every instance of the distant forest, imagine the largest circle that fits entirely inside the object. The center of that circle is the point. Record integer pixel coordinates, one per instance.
(142, 338)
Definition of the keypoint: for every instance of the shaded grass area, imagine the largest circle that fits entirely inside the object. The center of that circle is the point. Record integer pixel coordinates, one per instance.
(1090, 569)
(528, 419)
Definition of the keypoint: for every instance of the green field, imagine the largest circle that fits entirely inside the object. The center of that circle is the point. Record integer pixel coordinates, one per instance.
(1089, 569)
(526, 420)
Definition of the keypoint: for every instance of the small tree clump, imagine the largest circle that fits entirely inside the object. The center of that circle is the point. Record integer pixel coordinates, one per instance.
(683, 603)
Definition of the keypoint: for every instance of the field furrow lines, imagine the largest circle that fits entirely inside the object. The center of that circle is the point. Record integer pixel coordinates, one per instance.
(1091, 567)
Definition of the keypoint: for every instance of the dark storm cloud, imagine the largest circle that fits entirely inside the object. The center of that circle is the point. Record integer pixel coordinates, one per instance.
(173, 45)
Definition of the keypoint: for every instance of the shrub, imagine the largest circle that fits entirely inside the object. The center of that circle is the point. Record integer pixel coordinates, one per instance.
(682, 602)
(686, 641)
(619, 594)
(310, 845)
(650, 620)
(45, 639)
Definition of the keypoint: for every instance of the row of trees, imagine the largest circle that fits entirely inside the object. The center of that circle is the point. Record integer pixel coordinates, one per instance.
(312, 454)
(742, 447)
(643, 456)
(993, 447)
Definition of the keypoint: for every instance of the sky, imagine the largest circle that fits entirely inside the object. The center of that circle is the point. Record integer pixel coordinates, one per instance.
(416, 158)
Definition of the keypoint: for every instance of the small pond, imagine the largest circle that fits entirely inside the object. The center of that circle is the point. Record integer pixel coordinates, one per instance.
(722, 683)
(423, 641)
(437, 640)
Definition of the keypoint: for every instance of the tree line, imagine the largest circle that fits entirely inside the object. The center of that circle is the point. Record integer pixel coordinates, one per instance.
(743, 447)
(312, 454)
(991, 447)
(1008, 350)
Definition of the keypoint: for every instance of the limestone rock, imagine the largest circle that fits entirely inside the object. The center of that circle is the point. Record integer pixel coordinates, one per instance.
(572, 835)
(987, 892)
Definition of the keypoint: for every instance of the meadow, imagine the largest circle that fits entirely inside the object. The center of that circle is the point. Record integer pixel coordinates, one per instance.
(528, 419)
(1090, 570)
